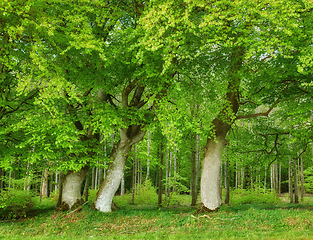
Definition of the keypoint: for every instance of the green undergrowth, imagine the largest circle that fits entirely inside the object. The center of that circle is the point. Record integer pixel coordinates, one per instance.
(258, 220)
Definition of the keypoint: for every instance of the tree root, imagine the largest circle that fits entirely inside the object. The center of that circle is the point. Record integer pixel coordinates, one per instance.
(204, 209)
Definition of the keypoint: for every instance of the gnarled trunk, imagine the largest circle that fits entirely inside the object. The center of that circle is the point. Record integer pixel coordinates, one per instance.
(210, 177)
(115, 172)
(71, 191)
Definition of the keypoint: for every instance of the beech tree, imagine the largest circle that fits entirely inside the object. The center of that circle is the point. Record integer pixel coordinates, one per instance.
(238, 41)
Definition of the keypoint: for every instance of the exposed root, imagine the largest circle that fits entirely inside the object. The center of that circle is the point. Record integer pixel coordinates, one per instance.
(204, 209)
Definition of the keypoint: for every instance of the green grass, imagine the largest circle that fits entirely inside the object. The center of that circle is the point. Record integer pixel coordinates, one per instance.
(258, 220)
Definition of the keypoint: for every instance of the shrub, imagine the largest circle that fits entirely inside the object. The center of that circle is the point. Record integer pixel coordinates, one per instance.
(244, 196)
(146, 194)
(308, 178)
(15, 204)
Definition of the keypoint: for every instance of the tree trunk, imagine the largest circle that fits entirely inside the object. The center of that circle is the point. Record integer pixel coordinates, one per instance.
(44, 183)
(61, 180)
(302, 178)
(93, 176)
(193, 177)
(210, 177)
(295, 175)
(160, 176)
(197, 166)
(122, 186)
(115, 172)
(86, 187)
(227, 182)
(148, 155)
(71, 192)
(290, 181)
(134, 176)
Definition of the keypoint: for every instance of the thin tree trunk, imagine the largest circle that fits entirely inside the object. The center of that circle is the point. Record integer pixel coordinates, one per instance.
(134, 176)
(44, 183)
(237, 176)
(61, 180)
(242, 174)
(93, 176)
(197, 166)
(227, 182)
(160, 176)
(122, 186)
(148, 155)
(175, 168)
(290, 181)
(193, 176)
(302, 179)
(295, 175)
(86, 187)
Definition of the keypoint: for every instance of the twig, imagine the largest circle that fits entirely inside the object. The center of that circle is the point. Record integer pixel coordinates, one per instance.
(77, 209)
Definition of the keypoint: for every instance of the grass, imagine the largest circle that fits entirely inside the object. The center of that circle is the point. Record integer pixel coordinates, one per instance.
(259, 220)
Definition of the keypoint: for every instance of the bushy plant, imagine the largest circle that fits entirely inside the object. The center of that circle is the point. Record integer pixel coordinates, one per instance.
(146, 194)
(15, 204)
(246, 196)
(308, 180)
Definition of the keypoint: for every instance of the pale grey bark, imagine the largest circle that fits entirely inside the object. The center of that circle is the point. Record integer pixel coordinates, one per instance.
(122, 186)
(302, 178)
(148, 154)
(210, 177)
(44, 183)
(295, 175)
(290, 181)
(71, 192)
(115, 172)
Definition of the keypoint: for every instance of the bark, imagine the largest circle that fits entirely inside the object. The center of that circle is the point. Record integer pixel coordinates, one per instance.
(122, 186)
(44, 183)
(290, 181)
(210, 177)
(227, 182)
(115, 171)
(236, 176)
(61, 180)
(148, 155)
(302, 178)
(193, 177)
(93, 175)
(134, 178)
(86, 187)
(295, 175)
(160, 177)
(71, 192)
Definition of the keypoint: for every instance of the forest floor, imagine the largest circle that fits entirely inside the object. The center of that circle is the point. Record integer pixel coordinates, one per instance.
(239, 220)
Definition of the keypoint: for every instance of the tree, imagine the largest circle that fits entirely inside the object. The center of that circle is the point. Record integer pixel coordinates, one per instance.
(238, 41)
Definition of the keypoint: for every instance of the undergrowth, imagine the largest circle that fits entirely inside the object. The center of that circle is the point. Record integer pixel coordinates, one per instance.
(263, 219)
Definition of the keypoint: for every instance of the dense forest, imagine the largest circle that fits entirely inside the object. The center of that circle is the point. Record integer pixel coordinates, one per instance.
(188, 97)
